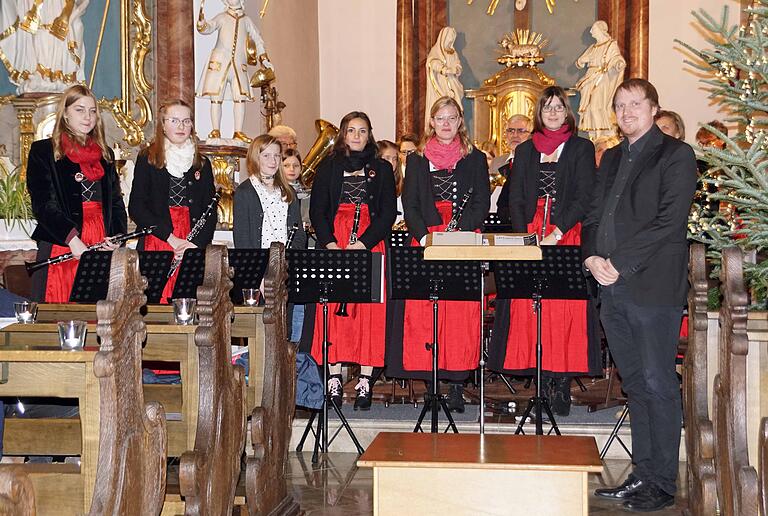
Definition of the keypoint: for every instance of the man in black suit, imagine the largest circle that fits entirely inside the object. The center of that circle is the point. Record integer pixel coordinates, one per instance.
(634, 242)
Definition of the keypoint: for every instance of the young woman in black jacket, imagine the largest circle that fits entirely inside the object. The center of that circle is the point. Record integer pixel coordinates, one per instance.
(75, 192)
(352, 176)
(172, 186)
(435, 183)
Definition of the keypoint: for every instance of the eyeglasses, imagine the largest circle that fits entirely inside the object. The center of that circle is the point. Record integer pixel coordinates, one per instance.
(442, 119)
(186, 122)
(408, 152)
(520, 131)
(557, 109)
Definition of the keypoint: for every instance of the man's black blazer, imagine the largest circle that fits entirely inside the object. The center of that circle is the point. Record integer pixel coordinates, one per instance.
(574, 177)
(651, 219)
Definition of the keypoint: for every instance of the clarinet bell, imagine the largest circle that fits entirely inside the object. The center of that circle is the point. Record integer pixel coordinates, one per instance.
(341, 311)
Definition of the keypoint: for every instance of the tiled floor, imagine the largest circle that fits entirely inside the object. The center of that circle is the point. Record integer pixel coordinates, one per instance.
(337, 487)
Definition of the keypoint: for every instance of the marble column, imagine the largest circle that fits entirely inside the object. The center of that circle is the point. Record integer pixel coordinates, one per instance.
(405, 58)
(175, 57)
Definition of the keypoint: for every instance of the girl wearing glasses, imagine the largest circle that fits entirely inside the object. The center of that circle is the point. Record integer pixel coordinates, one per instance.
(352, 175)
(172, 186)
(436, 180)
(75, 192)
(554, 167)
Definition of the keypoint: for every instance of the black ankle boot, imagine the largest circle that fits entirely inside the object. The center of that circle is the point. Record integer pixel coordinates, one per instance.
(456, 398)
(364, 393)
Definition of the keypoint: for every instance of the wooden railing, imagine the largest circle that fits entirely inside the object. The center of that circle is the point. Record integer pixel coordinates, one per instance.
(266, 487)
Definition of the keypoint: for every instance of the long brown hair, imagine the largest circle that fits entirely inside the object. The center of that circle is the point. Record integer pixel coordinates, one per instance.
(466, 143)
(545, 98)
(155, 152)
(69, 97)
(384, 145)
(254, 168)
(340, 147)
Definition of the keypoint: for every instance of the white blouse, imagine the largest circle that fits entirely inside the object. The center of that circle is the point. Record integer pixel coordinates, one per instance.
(274, 227)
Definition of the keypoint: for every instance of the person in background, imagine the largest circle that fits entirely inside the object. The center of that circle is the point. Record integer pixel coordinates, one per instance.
(172, 187)
(292, 168)
(436, 182)
(489, 149)
(705, 138)
(635, 253)
(517, 130)
(558, 167)
(389, 152)
(286, 137)
(408, 144)
(351, 178)
(671, 124)
(75, 193)
(602, 144)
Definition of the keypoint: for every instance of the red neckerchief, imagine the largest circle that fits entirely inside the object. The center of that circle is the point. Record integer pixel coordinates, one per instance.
(443, 157)
(88, 156)
(547, 142)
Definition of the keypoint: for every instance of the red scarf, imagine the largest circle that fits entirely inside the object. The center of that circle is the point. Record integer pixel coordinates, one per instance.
(547, 142)
(443, 157)
(88, 156)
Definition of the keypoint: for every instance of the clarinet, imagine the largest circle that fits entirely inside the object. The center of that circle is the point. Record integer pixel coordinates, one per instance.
(117, 239)
(547, 205)
(342, 310)
(197, 228)
(291, 235)
(453, 224)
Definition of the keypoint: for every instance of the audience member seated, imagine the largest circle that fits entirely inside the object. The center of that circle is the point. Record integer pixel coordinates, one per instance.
(671, 124)
(286, 136)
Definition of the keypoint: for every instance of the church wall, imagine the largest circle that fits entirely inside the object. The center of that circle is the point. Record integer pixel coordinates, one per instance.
(678, 84)
(358, 46)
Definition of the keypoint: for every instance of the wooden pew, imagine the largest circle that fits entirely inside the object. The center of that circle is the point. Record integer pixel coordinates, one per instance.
(17, 496)
(699, 434)
(266, 487)
(737, 482)
(208, 475)
(130, 478)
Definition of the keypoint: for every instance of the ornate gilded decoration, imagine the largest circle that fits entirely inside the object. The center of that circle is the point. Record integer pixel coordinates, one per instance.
(28, 108)
(142, 44)
(519, 4)
(511, 91)
(225, 162)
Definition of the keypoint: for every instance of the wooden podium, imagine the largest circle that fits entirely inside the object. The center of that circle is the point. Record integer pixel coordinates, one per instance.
(469, 474)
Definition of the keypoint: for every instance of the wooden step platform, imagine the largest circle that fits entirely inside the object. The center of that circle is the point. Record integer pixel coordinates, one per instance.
(480, 474)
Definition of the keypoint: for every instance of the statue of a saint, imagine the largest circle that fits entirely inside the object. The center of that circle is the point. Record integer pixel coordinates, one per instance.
(45, 53)
(443, 70)
(225, 77)
(605, 70)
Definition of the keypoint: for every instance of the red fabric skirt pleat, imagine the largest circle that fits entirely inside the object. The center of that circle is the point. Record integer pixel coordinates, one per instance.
(358, 338)
(458, 326)
(61, 276)
(564, 322)
(181, 228)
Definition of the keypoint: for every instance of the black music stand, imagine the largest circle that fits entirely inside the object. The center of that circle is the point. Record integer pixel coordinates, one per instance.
(191, 274)
(494, 224)
(321, 276)
(559, 275)
(412, 277)
(92, 279)
(249, 265)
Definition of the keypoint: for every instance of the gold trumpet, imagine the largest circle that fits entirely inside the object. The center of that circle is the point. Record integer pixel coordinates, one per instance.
(497, 179)
(320, 149)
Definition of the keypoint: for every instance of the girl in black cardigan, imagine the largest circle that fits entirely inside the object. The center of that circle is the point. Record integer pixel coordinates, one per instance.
(435, 183)
(560, 166)
(172, 186)
(352, 175)
(75, 192)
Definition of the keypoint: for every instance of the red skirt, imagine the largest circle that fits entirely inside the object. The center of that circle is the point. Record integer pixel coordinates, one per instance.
(61, 276)
(358, 338)
(563, 325)
(181, 228)
(458, 326)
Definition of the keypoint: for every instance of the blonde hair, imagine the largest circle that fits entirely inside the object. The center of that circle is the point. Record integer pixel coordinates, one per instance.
(155, 152)
(61, 127)
(254, 168)
(466, 143)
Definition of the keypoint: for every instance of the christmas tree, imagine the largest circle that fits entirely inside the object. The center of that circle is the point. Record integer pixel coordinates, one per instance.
(736, 67)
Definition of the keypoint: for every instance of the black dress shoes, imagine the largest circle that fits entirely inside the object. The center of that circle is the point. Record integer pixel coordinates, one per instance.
(629, 488)
(649, 499)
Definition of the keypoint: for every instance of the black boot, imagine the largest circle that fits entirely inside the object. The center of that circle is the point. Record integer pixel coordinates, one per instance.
(335, 390)
(364, 393)
(456, 398)
(561, 396)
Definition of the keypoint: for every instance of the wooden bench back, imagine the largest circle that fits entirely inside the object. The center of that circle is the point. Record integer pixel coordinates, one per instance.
(132, 437)
(208, 474)
(736, 480)
(699, 433)
(266, 488)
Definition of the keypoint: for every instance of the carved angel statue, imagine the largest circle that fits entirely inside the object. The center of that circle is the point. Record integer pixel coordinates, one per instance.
(225, 77)
(605, 70)
(443, 70)
(45, 52)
